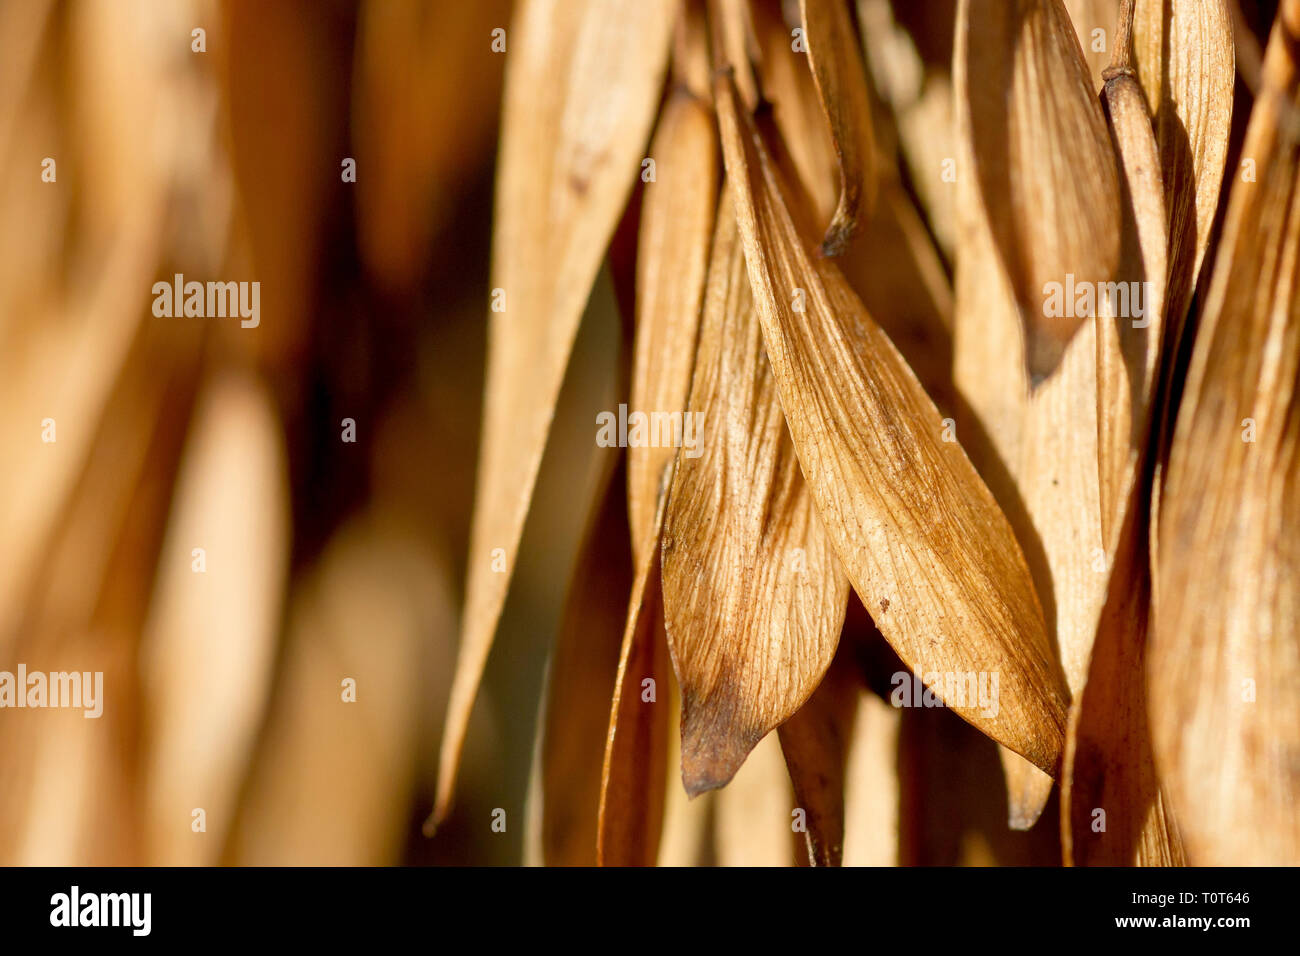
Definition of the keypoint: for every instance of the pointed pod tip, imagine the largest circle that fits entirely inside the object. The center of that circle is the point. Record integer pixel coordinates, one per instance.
(712, 749)
(702, 772)
(837, 239)
(441, 809)
(698, 785)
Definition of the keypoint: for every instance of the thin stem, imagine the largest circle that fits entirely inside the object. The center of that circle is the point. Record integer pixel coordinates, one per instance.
(1121, 57)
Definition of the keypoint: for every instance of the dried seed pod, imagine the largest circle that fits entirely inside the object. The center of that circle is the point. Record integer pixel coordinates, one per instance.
(1042, 158)
(1108, 764)
(582, 84)
(575, 722)
(672, 259)
(1183, 51)
(1225, 656)
(754, 594)
(836, 63)
(920, 536)
(815, 743)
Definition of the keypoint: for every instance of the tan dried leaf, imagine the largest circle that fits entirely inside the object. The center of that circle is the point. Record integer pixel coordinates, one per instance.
(1050, 491)
(1039, 450)
(583, 81)
(921, 538)
(993, 417)
(1057, 476)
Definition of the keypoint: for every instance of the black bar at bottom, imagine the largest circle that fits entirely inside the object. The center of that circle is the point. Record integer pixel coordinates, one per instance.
(637, 908)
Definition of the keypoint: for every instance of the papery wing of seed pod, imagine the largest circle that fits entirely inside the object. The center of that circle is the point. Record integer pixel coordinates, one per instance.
(635, 769)
(987, 370)
(1089, 17)
(952, 811)
(580, 676)
(583, 80)
(1225, 654)
(992, 416)
(1047, 441)
(815, 743)
(1128, 347)
(1184, 54)
(920, 536)
(1060, 529)
(893, 264)
(672, 256)
(1003, 429)
(894, 267)
(753, 816)
(1037, 452)
(836, 63)
(1042, 158)
(753, 592)
(796, 111)
(414, 143)
(1057, 476)
(1108, 764)
(1028, 789)
(732, 39)
(1185, 61)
